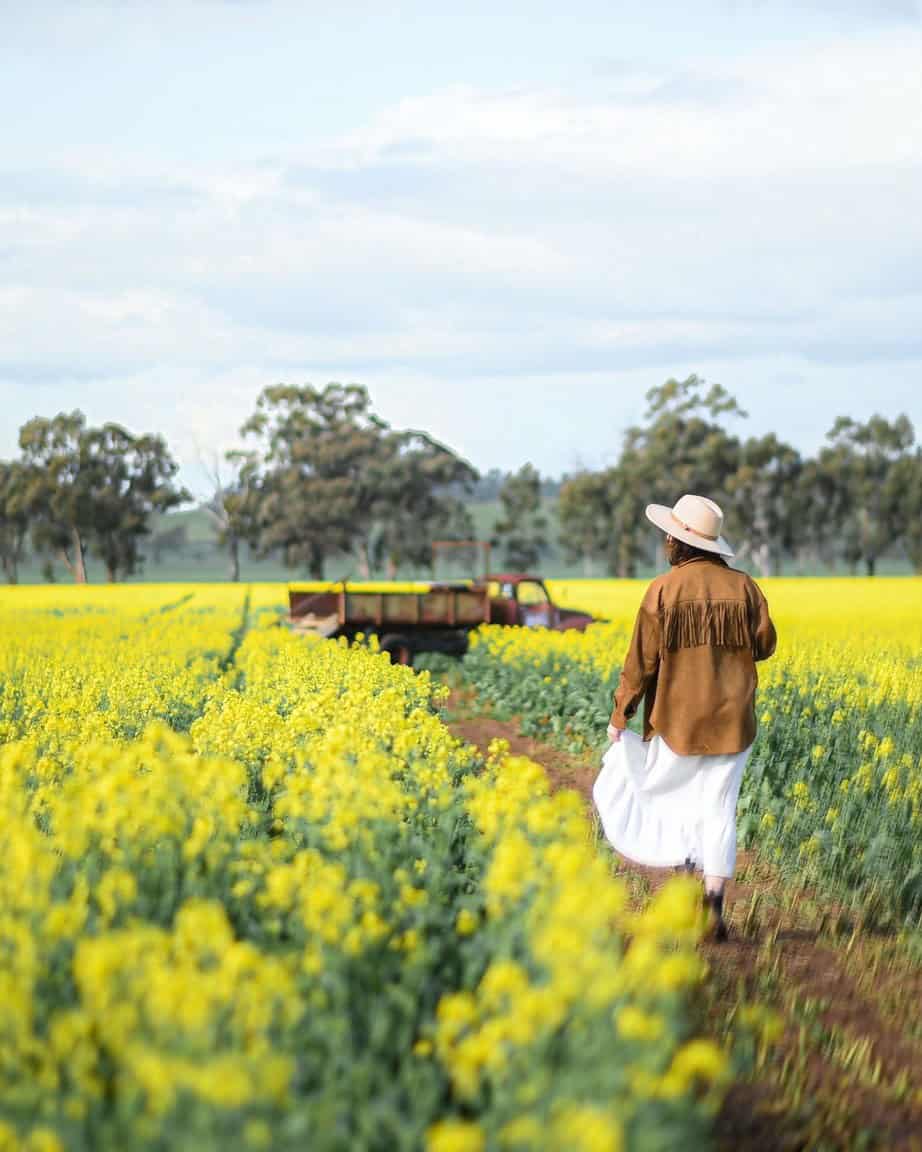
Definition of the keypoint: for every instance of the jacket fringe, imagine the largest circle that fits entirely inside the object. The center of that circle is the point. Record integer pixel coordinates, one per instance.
(718, 623)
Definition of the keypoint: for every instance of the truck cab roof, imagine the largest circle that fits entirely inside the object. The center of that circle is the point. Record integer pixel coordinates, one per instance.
(512, 578)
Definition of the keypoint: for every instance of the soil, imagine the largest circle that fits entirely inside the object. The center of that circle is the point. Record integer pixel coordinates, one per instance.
(845, 1073)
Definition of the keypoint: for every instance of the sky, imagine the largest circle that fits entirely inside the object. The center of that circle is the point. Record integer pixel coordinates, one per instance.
(508, 221)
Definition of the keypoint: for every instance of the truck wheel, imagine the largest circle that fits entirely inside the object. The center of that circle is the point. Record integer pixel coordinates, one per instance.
(398, 648)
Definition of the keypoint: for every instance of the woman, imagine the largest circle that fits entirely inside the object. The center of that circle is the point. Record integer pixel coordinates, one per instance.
(669, 799)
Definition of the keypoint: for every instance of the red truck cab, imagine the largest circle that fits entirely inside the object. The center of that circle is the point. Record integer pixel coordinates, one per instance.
(522, 599)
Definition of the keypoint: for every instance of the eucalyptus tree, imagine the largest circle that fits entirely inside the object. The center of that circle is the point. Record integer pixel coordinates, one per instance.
(680, 446)
(521, 528)
(761, 512)
(94, 488)
(857, 467)
(316, 489)
(328, 477)
(584, 511)
(14, 517)
(234, 505)
(417, 479)
(905, 490)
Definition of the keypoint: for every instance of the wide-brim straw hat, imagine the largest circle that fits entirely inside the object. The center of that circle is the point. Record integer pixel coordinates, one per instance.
(695, 520)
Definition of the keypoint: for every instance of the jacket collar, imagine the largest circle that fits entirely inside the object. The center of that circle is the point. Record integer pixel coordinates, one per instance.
(714, 559)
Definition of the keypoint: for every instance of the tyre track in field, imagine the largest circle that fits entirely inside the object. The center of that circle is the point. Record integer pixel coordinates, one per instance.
(843, 1074)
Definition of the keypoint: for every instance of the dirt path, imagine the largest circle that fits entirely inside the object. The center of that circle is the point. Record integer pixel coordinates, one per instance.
(845, 1074)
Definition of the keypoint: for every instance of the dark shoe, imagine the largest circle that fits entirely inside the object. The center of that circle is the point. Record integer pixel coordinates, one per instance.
(688, 867)
(715, 927)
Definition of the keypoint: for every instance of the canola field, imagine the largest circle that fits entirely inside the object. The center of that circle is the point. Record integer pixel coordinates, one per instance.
(833, 791)
(253, 894)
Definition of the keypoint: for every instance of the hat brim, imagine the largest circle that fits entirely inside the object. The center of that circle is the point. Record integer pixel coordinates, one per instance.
(663, 518)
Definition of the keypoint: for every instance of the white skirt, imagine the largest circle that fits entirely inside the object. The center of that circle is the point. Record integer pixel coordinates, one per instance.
(661, 809)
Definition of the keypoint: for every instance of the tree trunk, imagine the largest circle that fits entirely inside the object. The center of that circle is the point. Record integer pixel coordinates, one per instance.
(111, 574)
(870, 563)
(315, 564)
(16, 558)
(79, 565)
(233, 548)
(627, 568)
(364, 561)
(391, 568)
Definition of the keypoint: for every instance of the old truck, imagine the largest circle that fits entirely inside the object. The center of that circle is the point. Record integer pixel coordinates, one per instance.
(435, 617)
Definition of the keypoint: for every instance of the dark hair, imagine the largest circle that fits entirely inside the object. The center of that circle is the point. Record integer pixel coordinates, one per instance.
(677, 551)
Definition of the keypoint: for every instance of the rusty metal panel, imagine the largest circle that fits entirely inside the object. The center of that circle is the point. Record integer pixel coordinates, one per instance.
(362, 607)
(445, 608)
(471, 607)
(435, 607)
(400, 608)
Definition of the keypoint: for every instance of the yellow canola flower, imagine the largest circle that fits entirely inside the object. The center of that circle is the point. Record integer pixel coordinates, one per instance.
(455, 1136)
(634, 1023)
(466, 922)
(582, 1128)
(699, 1060)
(524, 1132)
(218, 836)
(576, 911)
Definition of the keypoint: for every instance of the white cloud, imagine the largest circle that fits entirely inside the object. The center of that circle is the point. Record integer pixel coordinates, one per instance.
(22, 225)
(492, 248)
(807, 108)
(127, 308)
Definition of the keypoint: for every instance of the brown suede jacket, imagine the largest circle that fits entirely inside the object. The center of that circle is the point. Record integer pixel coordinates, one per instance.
(699, 632)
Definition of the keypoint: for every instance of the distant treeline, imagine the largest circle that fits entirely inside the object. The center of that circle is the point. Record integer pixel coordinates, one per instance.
(322, 477)
(488, 487)
(858, 499)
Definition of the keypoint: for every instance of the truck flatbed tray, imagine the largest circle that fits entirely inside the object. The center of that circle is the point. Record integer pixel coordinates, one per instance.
(389, 607)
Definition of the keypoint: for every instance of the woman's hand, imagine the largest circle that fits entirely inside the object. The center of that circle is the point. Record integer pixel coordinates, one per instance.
(614, 734)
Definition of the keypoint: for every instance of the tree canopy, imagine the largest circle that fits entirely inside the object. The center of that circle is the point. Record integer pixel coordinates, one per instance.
(330, 477)
(861, 494)
(522, 526)
(94, 488)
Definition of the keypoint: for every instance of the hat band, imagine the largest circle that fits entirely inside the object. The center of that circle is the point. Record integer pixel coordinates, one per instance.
(694, 531)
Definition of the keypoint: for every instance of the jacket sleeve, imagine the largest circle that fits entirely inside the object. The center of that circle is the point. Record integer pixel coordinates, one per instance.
(765, 639)
(641, 665)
